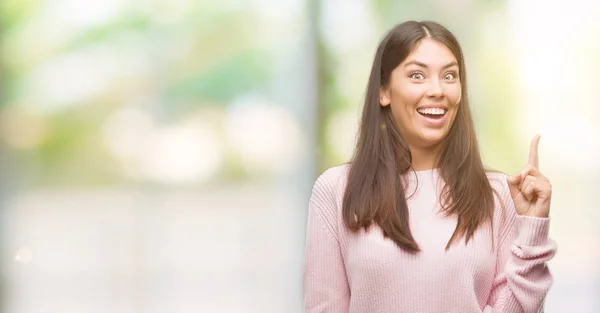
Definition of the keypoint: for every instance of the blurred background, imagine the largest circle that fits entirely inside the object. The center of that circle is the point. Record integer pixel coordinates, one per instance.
(158, 156)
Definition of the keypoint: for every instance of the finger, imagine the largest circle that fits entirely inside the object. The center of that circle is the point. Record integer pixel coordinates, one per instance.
(533, 151)
(529, 191)
(532, 170)
(513, 184)
(543, 190)
(524, 182)
(514, 180)
(537, 189)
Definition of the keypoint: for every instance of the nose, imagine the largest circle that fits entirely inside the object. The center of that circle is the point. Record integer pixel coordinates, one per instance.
(435, 89)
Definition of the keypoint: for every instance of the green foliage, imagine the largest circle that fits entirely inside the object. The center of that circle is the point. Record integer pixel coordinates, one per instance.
(244, 72)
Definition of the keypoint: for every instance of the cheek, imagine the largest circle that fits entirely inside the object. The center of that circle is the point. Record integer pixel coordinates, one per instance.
(454, 95)
(409, 97)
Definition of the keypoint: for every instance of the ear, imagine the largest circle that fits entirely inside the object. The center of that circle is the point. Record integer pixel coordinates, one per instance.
(384, 96)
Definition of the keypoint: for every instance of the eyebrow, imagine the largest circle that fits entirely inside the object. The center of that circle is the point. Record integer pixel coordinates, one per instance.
(421, 64)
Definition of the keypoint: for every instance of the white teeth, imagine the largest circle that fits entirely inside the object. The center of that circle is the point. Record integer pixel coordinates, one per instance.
(432, 111)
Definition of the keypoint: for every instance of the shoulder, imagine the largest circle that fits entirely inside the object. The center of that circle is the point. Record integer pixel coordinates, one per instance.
(328, 189)
(495, 174)
(497, 179)
(498, 183)
(332, 180)
(504, 209)
(327, 197)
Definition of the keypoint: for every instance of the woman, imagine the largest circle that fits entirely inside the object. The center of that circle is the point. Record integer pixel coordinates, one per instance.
(415, 223)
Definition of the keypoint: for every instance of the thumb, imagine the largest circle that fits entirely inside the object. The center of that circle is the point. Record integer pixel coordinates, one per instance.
(513, 184)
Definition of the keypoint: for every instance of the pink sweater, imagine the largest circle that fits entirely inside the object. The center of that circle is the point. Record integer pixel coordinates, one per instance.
(365, 272)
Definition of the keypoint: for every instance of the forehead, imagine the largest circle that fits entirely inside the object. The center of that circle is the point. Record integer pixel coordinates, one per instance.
(431, 52)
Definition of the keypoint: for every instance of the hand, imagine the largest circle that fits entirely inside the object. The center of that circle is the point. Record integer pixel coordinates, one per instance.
(530, 190)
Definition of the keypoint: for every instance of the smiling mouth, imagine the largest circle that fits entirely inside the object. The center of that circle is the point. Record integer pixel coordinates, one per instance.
(433, 113)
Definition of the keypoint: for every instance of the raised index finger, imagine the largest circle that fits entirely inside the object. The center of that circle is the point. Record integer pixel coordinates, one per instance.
(533, 151)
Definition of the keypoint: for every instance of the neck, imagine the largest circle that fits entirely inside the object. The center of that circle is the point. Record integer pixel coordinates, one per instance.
(424, 158)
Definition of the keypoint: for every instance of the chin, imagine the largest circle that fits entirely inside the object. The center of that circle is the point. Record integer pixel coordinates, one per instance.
(433, 138)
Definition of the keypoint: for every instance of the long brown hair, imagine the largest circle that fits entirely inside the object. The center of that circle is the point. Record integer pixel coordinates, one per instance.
(375, 192)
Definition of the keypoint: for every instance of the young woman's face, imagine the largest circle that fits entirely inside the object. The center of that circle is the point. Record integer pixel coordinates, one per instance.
(424, 92)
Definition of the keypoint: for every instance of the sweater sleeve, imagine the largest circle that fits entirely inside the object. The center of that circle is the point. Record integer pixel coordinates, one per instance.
(522, 277)
(325, 285)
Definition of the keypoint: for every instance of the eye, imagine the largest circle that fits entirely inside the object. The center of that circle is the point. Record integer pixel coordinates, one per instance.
(417, 76)
(450, 76)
